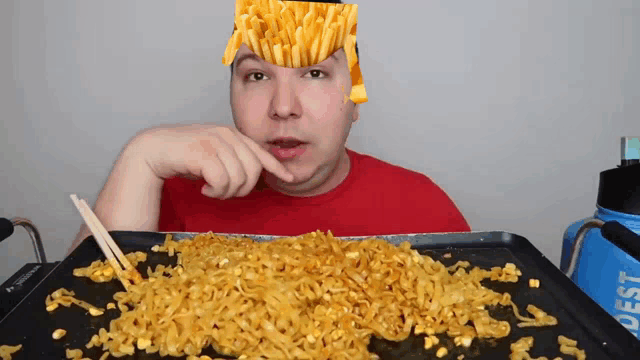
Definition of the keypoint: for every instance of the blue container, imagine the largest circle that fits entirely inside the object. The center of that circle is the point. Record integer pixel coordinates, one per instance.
(607, 263)
(608, 274)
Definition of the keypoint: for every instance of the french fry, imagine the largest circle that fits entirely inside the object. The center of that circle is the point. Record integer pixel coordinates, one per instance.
(279, 6)
(242, 24)
(340, 32)
(313, 51)
(286, 54)
(263, 25)
(285, 37)
(358, 94)
(324, 46)
(287, 16)
(295, 56)
(277, 54)
(239, 7)
(346, 9)
(266, 52)
(253, 10)
(270, 19)
(354, 55)
(255, 42)
(280, 22)
(291, 32)
(255, 25)
(236, 46)
(299, 37)
(313, 10)
(356, 76)
(272, 7)
(328, 20)
(299, 12)
(348, 45)
(334, 35)
(304, 57)
(307, 20)
(351, 19)
(350, 50)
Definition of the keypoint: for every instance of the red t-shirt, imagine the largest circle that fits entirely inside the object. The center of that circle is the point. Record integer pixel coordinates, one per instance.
(376, 198)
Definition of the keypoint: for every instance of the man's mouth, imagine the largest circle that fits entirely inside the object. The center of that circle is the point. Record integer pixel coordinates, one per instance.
(287, 148)
(286, 143)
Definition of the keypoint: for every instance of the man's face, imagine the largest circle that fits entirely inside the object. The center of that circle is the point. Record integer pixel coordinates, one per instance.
(307, 104)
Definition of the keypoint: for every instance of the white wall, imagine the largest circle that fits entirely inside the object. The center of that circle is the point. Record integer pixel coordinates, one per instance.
(514, 107)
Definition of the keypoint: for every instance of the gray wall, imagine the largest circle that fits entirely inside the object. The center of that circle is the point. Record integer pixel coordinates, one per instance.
(512, 106)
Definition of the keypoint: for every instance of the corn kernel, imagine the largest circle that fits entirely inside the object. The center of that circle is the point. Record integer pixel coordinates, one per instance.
(143, 343)
(534, 283)
(442, 352)
(353, 255)
(111, 306)
(95, 311)
(311, 339)
(434, 339)
(58, 334)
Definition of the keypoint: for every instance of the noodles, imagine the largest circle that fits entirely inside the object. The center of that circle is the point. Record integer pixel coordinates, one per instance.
(65, 297)
(7, 350)
(307, 297)
(101, 271)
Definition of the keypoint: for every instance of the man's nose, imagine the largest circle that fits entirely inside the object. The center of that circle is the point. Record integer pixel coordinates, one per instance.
(285, 103)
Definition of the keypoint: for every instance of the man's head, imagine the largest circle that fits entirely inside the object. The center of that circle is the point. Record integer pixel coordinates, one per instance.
(308, 104)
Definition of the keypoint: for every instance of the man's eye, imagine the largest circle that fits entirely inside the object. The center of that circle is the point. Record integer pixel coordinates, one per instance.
(316, 74)
(256, 76)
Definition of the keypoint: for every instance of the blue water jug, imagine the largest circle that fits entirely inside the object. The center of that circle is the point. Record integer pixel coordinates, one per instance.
(605, 264)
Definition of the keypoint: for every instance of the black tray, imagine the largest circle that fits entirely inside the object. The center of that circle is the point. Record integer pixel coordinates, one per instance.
(579, 317)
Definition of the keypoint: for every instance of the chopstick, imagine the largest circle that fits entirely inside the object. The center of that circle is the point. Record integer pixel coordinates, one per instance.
(107, 245)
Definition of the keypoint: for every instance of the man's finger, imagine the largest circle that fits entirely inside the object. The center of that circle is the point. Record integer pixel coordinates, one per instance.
(215, 173)
(250, 162)
(270, 163)
(233, 165)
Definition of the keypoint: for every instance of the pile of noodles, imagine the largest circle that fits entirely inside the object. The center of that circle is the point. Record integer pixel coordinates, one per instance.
(307, 297)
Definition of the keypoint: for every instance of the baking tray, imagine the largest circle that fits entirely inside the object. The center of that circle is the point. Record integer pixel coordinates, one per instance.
(579, 317)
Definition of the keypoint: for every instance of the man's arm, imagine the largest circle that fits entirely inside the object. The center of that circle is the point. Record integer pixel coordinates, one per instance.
(130, 199)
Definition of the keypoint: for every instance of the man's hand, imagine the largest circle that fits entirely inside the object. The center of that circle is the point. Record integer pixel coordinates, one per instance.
(230, 162)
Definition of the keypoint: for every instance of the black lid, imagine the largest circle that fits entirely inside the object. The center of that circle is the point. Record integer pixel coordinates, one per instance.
(619, 189)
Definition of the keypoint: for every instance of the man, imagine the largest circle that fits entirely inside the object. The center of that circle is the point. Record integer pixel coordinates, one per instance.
(282, 170)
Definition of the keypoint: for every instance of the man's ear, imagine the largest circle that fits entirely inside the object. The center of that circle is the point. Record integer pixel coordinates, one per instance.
(355, 115)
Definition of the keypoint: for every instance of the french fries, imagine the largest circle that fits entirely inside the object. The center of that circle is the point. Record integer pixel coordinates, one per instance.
(297, 34)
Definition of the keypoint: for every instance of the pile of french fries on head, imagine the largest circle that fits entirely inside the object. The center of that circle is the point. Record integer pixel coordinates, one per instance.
(297, 34)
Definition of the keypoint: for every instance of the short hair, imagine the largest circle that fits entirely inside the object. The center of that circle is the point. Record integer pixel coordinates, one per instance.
(315, 1)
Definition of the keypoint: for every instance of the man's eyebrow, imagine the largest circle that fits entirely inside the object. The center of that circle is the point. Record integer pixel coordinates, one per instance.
(248, 56)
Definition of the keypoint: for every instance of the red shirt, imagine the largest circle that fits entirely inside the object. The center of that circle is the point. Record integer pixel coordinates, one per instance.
(376, 198)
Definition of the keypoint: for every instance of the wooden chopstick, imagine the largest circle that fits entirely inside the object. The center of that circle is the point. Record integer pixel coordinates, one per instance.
(107, 244)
